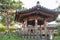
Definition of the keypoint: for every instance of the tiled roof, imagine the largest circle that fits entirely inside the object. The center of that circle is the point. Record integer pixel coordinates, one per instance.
(39, 7)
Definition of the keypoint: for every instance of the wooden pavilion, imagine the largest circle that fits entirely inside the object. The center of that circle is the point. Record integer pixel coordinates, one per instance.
(32, 19)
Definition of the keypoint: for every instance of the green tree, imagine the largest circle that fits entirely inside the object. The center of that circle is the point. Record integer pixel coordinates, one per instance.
(58, 8)
(10, 5)
(58, 27)
(7, 8)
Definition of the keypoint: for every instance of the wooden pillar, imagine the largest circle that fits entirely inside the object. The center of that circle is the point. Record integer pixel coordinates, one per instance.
(51, 34)
(36, 25)
(24, 26)
(45, 26)
(40, 32)
(35, 22)
(25, 23)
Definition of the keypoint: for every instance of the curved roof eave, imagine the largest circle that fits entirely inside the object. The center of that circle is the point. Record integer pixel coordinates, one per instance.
(39, 7)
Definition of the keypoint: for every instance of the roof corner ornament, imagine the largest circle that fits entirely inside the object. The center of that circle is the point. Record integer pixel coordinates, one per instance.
(38, 2)
(38, 5)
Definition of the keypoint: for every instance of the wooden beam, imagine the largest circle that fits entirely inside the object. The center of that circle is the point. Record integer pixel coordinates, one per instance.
(40, 12)
(45, 26)
(32, 18)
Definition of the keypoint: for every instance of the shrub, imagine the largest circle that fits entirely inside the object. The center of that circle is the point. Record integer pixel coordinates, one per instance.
(2, 29)
(56, 33)
(12, 29)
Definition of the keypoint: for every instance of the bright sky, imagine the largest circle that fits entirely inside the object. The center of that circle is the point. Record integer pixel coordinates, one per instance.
(51, 4)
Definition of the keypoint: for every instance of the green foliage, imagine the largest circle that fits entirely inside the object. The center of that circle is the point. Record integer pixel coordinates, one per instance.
(41, 19)
(17, 5)
(58, 20)
(6, 9)
(12, 29)
(3, 20)
(2, 29)
(9, 4)
(58, 27)
(57, 38)
(58, 8)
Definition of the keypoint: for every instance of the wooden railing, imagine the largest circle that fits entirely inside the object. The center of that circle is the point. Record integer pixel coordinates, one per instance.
(35, 35)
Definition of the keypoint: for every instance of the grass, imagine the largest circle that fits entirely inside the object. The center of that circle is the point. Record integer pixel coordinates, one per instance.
(57, 38)
(12, 37)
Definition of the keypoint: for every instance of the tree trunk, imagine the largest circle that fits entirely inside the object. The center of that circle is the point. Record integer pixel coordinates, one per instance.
(7, 23)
